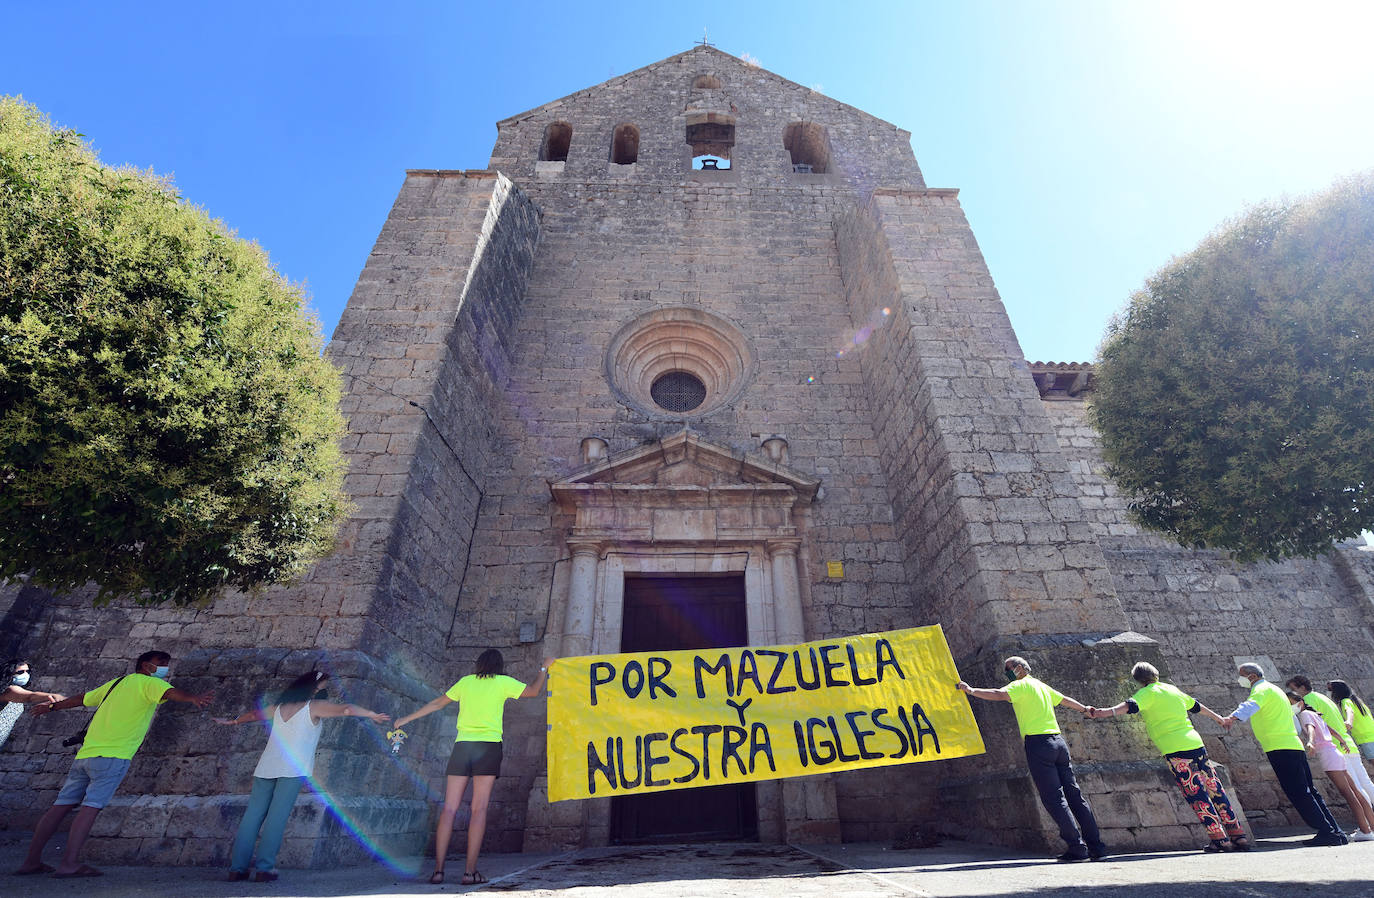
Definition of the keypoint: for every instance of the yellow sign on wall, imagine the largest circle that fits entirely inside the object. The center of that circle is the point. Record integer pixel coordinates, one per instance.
(834, 570)
(645, 721)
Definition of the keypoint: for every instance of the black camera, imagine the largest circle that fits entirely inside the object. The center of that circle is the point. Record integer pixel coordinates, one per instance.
(74, 740)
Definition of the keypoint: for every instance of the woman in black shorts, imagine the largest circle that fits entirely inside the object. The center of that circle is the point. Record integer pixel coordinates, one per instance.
(481, 698)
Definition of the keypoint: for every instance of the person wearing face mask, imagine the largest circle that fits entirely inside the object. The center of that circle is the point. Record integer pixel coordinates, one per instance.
(1271, 720)
(1047, 755)
(285, 764)
(15, 695)
(1335, 721)
(124, 710)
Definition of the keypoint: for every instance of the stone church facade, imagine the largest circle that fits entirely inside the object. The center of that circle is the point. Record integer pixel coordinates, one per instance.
(693, 336)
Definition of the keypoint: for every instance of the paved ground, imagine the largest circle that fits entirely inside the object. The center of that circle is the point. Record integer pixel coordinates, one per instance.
(1279, 867)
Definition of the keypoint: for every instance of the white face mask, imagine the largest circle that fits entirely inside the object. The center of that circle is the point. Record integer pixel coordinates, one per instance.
(1244, 682)
(20, 679)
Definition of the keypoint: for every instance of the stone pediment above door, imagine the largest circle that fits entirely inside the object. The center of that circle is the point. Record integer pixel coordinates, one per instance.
(684, 488)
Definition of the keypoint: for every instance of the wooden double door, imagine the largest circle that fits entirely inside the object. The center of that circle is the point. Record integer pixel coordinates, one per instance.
(664, 614)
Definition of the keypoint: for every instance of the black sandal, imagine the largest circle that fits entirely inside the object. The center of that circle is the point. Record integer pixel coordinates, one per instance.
(1241, 843)
(1217, 846)
(473, 879)
(436, 878)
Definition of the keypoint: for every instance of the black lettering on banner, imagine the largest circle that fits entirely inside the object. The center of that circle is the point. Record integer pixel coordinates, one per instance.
(812, 744)
(696, 765)
(839, 745)
(779, 665)
(748, 670)
(705, 732)
(923, 728)
(760, 742)
(886, 658)
(700, 666)
(595, 765)
(731, 740)
(901, 736)
(831, 666)
(625, 782)
(656, 678)
(859, 679)
(815, 671)
(632, 687)
(906, 725)
(861, 734)
(651, 761)
(739, 709)
(598, 679)
(802, 754)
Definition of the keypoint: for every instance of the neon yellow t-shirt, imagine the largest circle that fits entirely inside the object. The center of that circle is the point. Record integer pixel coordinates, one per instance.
(1362, 728)
(1164, 709)
(118, 728)
(1034, 704)
(1334, 720)
(481, 705)
(1273, 723)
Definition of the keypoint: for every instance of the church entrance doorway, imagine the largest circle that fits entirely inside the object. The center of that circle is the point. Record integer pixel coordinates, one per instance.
(671, 613)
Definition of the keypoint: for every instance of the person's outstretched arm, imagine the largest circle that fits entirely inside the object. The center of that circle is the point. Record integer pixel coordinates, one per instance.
(1114, 711)
(199, 699)
(1209, 713)
(987, 695)
(320, 710)
(247, 716)
(24, 696)
(1073, 704)
(71, 701)
(430, 708)
(537, 686)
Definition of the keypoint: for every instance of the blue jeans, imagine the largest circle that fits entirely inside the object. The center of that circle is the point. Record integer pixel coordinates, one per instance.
(269, 806)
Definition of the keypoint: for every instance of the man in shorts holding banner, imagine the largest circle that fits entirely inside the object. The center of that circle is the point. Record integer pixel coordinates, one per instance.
(1047, 755)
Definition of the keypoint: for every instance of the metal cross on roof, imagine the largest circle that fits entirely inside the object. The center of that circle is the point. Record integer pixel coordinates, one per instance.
(705, 41)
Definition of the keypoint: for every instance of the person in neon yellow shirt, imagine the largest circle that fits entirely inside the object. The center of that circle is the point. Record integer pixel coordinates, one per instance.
(1334, 719)
(1357, 717)
(124, 710)
(1271, 720)
(1047, 756)
(481, 698)
(1165, 709)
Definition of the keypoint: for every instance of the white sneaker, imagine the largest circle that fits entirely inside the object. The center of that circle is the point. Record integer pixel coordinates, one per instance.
(1358, 836)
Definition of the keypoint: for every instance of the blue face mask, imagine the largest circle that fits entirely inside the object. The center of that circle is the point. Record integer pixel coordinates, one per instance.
(20, 679)
(162, 672)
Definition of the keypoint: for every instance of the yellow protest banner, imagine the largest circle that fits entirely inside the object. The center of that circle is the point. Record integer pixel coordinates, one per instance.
(644, 721)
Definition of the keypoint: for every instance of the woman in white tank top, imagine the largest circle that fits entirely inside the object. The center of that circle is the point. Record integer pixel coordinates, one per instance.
(285, 763)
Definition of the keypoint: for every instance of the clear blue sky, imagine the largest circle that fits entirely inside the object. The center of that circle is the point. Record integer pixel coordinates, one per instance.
(1091, 141)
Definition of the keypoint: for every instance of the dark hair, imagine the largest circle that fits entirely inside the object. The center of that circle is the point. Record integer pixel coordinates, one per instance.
(11, 665)
(1340, 691)
(159, 657)
(490, 663)
(1300, 680)
(303, 688)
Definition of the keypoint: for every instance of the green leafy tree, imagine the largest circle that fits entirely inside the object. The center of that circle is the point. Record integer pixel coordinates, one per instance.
(168, 426)
(1235, 393)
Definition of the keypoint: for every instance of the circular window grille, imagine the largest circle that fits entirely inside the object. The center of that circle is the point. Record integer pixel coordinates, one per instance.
(678, 361)
(678, 391)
